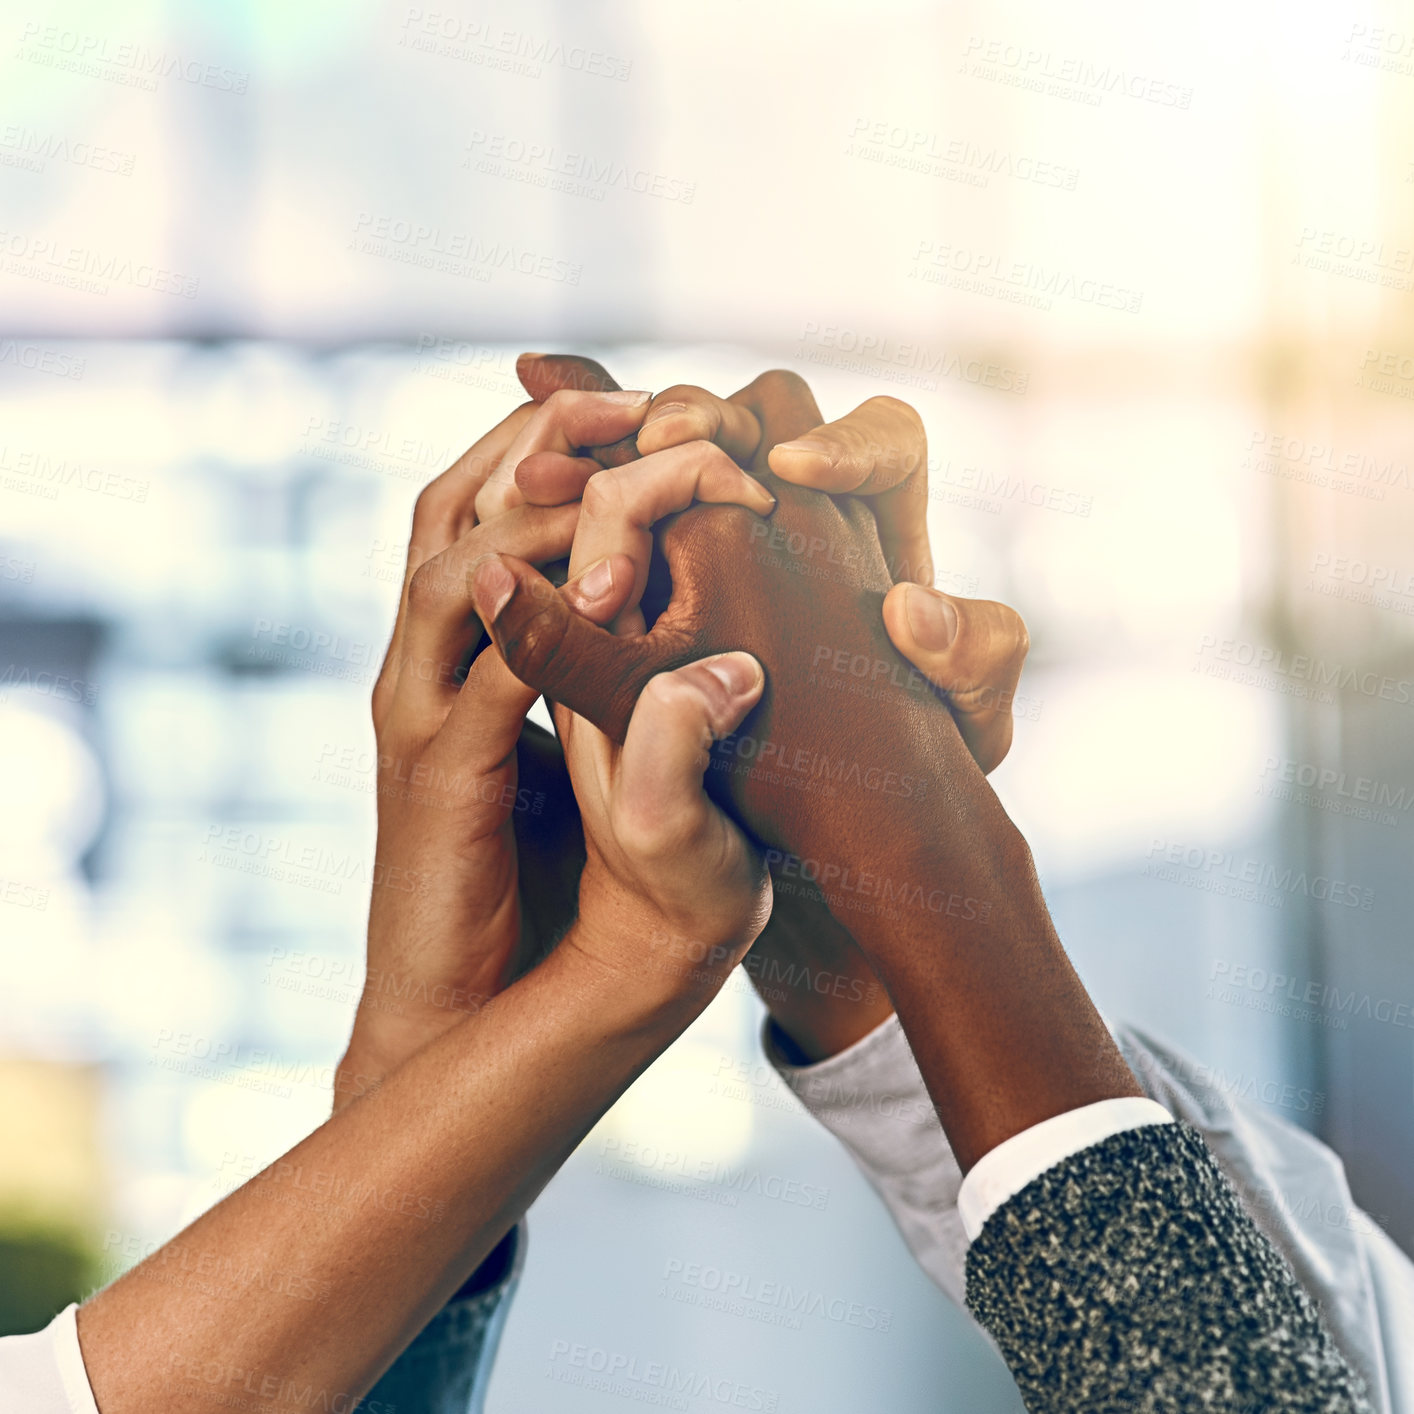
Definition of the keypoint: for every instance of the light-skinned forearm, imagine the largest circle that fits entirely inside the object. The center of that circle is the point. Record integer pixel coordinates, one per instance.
(385, 1209)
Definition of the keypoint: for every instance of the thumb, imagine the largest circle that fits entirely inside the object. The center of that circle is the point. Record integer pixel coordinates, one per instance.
(972, 650)
(661, 804)
(561, 653)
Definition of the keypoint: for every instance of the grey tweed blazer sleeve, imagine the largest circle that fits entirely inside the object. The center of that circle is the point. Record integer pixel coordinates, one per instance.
(1129, 1278)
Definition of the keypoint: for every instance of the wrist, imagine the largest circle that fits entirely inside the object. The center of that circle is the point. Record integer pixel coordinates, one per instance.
(650, 988)
(396, 1018)
(821, 992)
(977, 885)
(672, 960)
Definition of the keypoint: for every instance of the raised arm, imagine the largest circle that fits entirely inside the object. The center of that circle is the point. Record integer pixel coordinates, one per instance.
(385, 1208)
(1118, 1236)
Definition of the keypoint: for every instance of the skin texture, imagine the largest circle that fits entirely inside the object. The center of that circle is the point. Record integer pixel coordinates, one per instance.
(935, 883)
(314, 1275)
(822, 993)
(459, 780)
(472, 1120)
(816, 767)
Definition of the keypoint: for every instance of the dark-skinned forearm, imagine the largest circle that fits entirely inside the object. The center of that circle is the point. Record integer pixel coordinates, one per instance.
(1001, 1026)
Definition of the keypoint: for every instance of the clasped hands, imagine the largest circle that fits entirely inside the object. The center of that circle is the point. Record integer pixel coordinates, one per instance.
(636, 872)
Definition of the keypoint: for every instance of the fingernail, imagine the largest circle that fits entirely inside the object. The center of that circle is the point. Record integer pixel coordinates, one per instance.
(492, 585)
(931, 617)
(805, 444)
(665, 410)
(627, 399)
(768, 499)
(739, 673)
(534, 355)
(596, 581)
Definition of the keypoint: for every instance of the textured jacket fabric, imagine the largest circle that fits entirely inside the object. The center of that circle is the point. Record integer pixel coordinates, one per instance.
(447, 1368)
(1129, 1277)
(872, 1098)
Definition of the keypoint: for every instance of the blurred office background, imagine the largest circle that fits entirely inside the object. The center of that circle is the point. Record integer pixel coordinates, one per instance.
(264, 269)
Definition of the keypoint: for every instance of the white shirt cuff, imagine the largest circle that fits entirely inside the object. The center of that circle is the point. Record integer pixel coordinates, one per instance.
(873, 1100)
(1004, 1171)
(44, 1373)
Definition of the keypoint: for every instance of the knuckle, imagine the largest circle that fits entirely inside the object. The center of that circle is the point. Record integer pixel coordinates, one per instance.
(604, 494)
(382, 698)
(431, 505)
(1022, 634)
(1012, 632)
(894, 433)
(688, 393)
(530, 652)
(426, 585)
(708, 456)
(896, 410)
(670, 692)
(781, 382)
